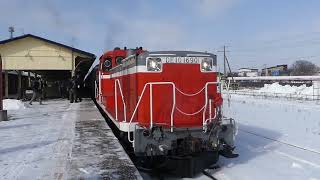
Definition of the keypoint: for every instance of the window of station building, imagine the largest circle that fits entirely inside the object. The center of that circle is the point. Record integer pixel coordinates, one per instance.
(119, 60)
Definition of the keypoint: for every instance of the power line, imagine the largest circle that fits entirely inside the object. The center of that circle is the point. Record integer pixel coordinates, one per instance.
(224, 60)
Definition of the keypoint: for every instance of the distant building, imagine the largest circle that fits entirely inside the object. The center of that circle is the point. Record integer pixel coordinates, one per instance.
(278, 70)
(248, 72)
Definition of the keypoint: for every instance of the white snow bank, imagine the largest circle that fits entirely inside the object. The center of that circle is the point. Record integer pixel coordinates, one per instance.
(286, 89)
(13, 104)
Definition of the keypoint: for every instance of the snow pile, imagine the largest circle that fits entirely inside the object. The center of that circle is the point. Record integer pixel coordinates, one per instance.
(286, 89)
(12, 104)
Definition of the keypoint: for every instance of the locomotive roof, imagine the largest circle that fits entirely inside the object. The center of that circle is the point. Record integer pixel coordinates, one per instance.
(142, 56)
(182, 53)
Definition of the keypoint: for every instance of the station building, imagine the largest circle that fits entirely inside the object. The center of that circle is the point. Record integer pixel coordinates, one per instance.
(28, 56)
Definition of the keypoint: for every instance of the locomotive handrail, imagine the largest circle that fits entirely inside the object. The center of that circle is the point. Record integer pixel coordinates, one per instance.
(117, 82)
(206, 103)
(192, 94)
(210, 113)
(99, 90)
(151, 118)
(191, 114)
(174, 104)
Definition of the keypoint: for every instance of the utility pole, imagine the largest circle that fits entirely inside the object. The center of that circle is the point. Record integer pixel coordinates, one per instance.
(265, 70)
(11, 30)
(224, 61)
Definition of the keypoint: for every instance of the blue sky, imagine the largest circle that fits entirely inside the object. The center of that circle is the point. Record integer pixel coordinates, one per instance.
(255, 32)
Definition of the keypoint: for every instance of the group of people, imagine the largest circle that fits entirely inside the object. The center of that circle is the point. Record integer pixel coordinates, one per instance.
(69, 88)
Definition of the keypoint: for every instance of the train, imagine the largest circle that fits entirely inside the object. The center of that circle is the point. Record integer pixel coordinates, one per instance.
(165, 104)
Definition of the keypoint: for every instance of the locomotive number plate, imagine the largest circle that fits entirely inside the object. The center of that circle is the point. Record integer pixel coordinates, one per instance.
(182, 60)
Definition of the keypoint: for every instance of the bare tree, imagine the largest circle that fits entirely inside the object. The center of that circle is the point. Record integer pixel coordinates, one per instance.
(303, 68)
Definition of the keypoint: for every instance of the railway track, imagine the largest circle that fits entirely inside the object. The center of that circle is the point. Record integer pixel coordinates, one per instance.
(280, 142)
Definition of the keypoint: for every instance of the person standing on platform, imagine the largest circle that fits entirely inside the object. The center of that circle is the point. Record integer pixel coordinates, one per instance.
(78, 86)
(73, 90)
(37, 91)
(43, 86)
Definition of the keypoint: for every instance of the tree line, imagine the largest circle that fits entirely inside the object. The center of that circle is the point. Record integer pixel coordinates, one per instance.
(303, 68)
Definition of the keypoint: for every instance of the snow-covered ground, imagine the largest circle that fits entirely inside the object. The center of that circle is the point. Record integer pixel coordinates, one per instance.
(36, 142)
(277, 139)
(59, 140)
(288, 91)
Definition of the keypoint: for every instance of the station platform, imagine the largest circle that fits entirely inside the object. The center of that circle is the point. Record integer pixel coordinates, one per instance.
(59, 140)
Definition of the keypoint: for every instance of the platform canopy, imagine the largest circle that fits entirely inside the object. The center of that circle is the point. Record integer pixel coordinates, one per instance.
(33, 53)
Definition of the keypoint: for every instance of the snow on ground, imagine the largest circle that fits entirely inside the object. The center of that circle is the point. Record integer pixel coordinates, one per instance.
(277, 139)
(286, 89)
(59, 140)
(13, 104)
(96, 152)
(36, 142)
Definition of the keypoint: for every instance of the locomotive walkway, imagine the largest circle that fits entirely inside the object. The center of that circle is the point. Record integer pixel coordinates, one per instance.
(60, 140)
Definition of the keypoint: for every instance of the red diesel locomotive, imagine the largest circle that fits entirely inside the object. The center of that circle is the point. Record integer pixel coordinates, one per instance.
(167, 103)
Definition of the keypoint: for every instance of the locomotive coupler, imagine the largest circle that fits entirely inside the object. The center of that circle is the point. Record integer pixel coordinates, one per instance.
(227, 138)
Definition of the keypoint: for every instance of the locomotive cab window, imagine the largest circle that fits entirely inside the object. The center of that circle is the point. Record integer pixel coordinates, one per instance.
(107, 65)
(207, 65)
(119, 60)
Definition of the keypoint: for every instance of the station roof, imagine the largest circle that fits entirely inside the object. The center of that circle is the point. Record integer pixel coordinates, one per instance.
(49, 41)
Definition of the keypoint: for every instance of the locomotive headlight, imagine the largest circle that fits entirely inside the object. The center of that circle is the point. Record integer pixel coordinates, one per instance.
(154, 64)
(206, 64)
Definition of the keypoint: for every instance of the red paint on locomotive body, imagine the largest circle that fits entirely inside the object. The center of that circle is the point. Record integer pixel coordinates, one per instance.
(189, 80)
(121, 86)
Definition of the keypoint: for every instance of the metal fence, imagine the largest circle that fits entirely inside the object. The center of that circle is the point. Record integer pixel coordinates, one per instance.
(288, 96)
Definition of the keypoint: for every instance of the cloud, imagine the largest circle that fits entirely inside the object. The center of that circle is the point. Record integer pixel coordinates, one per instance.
(142, 29)
(211, 8)
(101, 27)
(160, 35)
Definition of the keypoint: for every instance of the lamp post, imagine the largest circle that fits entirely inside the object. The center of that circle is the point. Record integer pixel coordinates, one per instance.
(3, 113)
